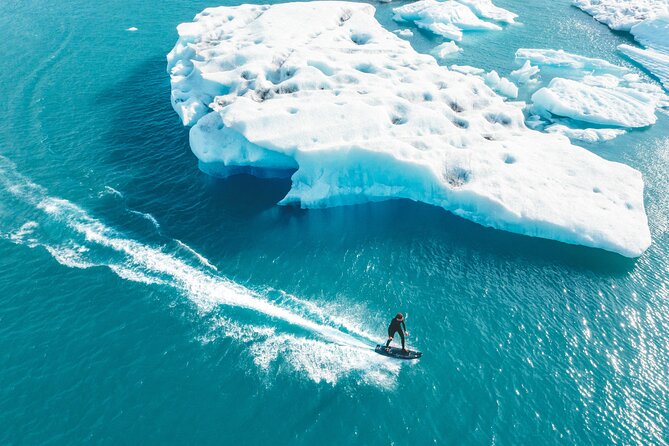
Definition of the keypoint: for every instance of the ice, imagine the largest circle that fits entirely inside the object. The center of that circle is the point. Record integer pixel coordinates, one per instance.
(525, 74)
(501, 85)
(466, 69)
(445, 50)
(654, 61)
(622, 15)
(585, 135)
(597, 104)
(592, 90)
(487, 10)
(654, 35)
(404, 32)
(448, 18)
(563, 59)
(321, 92)
(647, 20)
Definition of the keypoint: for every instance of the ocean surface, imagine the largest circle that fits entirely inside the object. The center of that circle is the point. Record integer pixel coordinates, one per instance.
(143, 302)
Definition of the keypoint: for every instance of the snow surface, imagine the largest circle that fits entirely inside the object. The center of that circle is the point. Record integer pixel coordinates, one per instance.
(444, 18)
(404, 32)
(445, 50)
(592, 90)
(585, 135)
(563, 59)
(525, 74)
(654, 61)
(597, 104)
(654, 35)
(322, 92)
(622, 15)
(449, 18)
(501, 85)
(647, 20)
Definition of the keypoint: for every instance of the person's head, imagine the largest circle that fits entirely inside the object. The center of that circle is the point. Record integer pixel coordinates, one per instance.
(399, 317)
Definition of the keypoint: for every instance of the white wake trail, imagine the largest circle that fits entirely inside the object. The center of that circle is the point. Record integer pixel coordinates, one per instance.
(324, 353)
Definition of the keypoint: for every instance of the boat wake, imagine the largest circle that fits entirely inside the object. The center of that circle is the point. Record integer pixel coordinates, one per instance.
(276, 327)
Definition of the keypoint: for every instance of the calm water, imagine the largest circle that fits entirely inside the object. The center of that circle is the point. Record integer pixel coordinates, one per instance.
(144, 302)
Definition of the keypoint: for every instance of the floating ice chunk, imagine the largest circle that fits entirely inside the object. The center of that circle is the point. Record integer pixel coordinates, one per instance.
(655, 62)
(653, 33)
(445, 18)
(621, 15)
(560, 58)
(604, 105)
(586, 135)
(466, 69)
(487, 10)
(445, 49)
(525, 73)
(592, 90)
(404, 32)
(322, 92)
(501, 85)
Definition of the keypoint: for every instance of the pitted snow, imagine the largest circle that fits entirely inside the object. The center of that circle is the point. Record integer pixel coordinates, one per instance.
(322, 90)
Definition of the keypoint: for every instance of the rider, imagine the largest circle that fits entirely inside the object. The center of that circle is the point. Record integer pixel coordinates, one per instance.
(397, 325)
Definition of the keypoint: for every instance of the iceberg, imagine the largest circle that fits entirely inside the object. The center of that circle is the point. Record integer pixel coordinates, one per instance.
(647, 21)
(622, 15)
(585, 135)
(597, 104)
(525, 74)
(500, 84)
(322, 93)
(656, 62)
(563, 59)
(592, 90)
(449, 18)
(654, 35)
(444, 50)
(444, 18)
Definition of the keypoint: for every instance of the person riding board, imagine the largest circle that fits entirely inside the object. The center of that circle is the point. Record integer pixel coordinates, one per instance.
(397, 325)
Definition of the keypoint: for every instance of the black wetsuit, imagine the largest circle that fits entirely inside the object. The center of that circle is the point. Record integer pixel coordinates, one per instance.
(396, 326)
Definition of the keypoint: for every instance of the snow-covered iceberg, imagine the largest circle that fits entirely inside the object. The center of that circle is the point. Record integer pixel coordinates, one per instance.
(622, 15)
(654, 35)
(592, 90)
(449, 18)
(585, 135)
(322, 92)
(647, 21)
(597, 101)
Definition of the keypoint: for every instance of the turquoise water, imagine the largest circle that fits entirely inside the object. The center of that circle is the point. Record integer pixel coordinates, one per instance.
(144, 302)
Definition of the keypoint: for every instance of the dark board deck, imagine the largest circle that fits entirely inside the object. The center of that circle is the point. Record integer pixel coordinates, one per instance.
(396, 352)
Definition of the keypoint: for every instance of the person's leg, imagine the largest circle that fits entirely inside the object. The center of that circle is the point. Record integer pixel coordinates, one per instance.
(391, 334)
(402, 338)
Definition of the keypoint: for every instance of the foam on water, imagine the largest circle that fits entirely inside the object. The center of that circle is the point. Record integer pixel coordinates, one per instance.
(314, 343)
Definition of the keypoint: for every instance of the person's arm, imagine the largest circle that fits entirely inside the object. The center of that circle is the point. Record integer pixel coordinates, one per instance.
(404, 326)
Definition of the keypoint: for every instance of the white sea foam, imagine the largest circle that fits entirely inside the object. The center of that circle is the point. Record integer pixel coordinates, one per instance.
(146, 216)
(202, 259)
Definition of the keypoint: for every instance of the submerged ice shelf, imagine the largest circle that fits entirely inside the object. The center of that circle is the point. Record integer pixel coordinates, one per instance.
(322, 92)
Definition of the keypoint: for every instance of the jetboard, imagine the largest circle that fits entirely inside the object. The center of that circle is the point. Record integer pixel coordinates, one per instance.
(396, 352)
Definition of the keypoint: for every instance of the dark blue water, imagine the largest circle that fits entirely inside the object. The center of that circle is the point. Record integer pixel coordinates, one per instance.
(142, 301)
